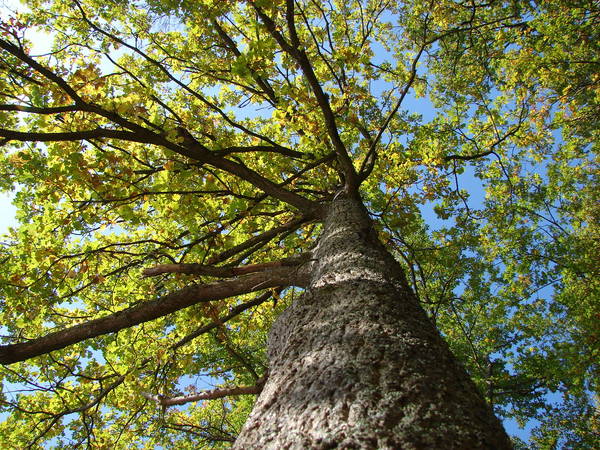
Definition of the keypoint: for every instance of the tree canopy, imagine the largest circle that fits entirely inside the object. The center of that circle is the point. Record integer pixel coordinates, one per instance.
(169, 160)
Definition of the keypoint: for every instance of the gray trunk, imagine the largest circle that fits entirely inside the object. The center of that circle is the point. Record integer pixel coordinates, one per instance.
(356, 363)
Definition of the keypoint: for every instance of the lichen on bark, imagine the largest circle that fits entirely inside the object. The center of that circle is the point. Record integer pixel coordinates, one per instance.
(356, 363)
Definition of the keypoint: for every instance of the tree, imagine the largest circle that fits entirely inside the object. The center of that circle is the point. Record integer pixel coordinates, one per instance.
(180, 164)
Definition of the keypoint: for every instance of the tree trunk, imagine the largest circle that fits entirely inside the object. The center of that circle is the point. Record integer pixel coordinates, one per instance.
(356, 363)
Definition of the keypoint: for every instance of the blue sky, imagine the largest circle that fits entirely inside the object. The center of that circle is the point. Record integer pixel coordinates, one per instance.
(7, 213)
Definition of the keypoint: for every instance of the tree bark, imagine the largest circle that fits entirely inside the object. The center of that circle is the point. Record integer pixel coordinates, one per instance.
(356, 363)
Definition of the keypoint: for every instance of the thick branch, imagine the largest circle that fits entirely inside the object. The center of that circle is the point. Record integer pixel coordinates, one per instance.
(191, 148)
(138, 134)
(308, 207)
(38, 110)
(31, 136)
(207, 395)
(144, 312)
(224, 272)
(194, 150)
(21, 55)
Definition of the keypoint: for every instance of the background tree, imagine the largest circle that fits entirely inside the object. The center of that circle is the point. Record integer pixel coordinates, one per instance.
(172, 158)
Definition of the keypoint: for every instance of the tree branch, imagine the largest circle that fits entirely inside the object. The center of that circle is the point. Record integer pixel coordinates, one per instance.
(308, 207)
(31, 136)
(144, 312)
(93, 402)
(263, 148)
(263, 237)
(47, 73)
(38, 110)
(369, 161)
(138, 134)
(190, 148)
(232, 47)
(491, 148)
(299, 55)
(225, 272)
(221, 320)
(165, 402)
(174, 79)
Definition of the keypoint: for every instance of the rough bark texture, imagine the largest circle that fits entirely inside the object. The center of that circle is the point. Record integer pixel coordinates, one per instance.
(356, 363)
